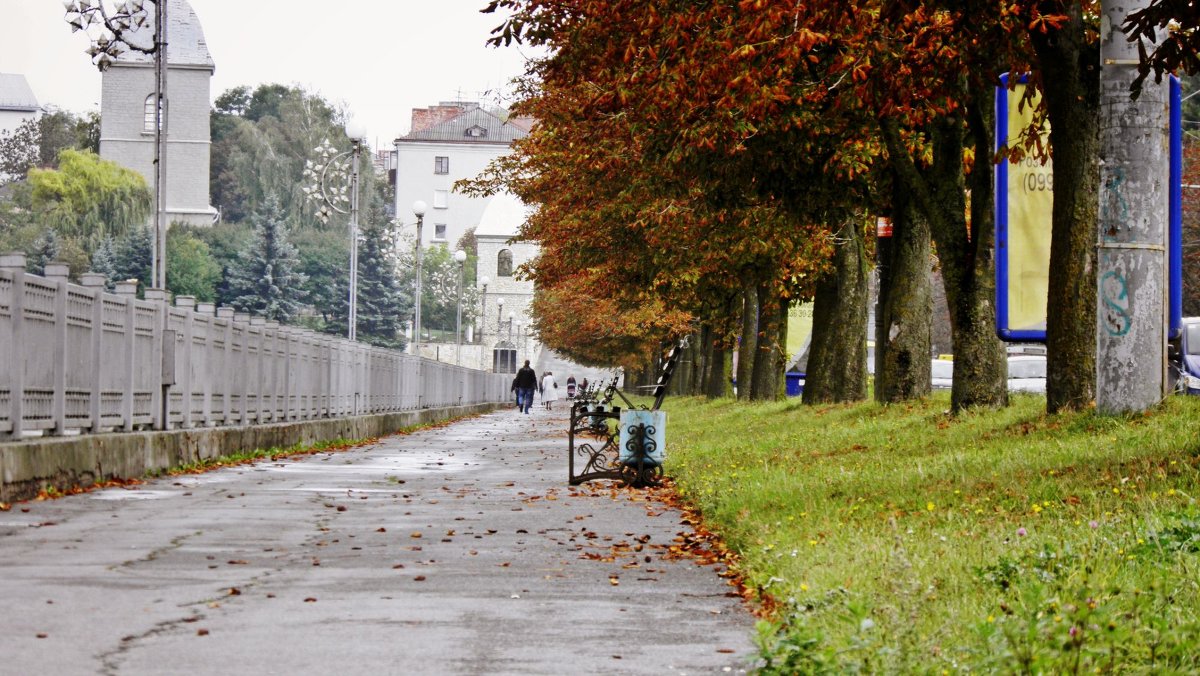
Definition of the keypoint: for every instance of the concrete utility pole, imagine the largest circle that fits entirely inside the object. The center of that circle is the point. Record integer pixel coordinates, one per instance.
(1131, 256)
(158, 258)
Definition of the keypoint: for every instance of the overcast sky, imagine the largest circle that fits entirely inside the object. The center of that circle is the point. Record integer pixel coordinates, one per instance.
(379, 58)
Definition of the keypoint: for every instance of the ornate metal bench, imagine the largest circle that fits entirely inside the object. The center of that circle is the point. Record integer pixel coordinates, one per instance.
(631, 450)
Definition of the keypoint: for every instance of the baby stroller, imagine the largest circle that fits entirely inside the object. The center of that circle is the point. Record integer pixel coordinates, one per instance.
(570, 387)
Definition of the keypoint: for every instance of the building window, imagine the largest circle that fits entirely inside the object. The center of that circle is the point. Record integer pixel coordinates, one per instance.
(441, 199)
(476, 132)
(441, 165)
(504, 263)
(148, 124)
(439, 231)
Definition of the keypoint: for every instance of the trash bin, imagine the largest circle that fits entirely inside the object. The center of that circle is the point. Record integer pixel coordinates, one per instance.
(795, 383)
(654, 451)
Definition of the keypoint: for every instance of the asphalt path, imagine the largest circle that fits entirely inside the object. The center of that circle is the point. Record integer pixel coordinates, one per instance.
(456, 550)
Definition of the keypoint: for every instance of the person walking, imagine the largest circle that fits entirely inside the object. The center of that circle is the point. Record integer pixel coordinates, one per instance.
(570, 387)
(516, 393)
(549, 390)
(526, 382)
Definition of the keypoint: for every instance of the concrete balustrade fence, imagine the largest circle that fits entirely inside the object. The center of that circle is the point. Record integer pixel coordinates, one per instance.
(77, 359)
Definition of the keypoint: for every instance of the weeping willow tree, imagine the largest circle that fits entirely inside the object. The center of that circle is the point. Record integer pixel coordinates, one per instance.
(88, 199)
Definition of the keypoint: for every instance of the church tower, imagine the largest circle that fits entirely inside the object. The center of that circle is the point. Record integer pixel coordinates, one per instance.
(127, 114)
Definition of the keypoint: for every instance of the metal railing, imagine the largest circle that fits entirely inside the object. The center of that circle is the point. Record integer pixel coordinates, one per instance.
(78, 359)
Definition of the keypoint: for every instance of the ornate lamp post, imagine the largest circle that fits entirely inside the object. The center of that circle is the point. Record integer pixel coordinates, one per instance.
(112, 33)
(499, 318)
(511, 315)
(461, 257)
(333, 183)
(418, 208)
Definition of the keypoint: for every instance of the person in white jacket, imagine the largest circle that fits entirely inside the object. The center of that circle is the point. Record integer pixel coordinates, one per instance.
(549, 390)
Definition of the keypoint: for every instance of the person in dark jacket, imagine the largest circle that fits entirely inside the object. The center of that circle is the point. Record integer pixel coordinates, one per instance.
(527, 382)
(516, 393)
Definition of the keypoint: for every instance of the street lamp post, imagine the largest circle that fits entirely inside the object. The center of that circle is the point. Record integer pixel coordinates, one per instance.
(484, 281)
(499, 318)
(461, 257)
(418, 208)
(112, 34)
(511, 315)
(333, 183)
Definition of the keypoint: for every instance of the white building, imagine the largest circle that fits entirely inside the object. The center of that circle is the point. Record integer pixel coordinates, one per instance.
(17, 102)
(448, 142)
(127, 114)
(506, 318)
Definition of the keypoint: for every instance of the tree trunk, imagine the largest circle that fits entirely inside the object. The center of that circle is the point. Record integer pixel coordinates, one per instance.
(748, 349)
(682, 378)
(718, 373)
(964, 248)
(837, 358)
(781, 354)
(903, 319)
(1070, 67)
(704, 348)
(768, 363)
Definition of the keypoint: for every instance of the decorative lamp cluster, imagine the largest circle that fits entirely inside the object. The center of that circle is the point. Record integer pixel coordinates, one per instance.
(107, 28)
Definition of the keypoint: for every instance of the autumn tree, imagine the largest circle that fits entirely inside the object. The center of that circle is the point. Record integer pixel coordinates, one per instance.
(729, 166)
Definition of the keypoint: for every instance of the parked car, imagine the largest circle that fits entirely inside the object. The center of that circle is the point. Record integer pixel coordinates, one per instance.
(1027, 373)
(941, 373)
(1185, 361)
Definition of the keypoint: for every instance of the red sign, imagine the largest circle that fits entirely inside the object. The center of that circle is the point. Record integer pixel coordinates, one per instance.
(883, 227)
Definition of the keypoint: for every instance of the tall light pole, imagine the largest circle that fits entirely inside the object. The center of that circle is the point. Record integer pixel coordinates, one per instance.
(499, 318)
(484, 281)
(511, 315)
(112, 33)
(332, 182)
(356, 132)
(461, 257)
(418, 208)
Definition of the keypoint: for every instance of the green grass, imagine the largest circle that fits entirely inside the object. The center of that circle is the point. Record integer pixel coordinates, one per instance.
(899, 539)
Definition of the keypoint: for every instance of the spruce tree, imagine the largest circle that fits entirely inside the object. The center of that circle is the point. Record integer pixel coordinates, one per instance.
(132, 255)
(45, 250)
(104, 261)
(265, 279)
(380, 303)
